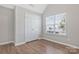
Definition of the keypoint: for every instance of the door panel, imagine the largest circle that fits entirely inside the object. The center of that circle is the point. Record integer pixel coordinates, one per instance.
(32, 26)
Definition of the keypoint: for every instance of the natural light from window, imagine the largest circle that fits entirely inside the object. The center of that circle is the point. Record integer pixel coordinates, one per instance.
(56, 24)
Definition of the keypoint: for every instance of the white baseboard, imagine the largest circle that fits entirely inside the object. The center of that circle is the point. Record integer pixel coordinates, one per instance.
(73, 46)
(3, 43)
(17, 44)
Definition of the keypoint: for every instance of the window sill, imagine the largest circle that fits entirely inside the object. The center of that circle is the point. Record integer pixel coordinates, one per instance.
(60, 34)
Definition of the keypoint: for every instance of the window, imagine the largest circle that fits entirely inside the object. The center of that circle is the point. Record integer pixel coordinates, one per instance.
(56, 24)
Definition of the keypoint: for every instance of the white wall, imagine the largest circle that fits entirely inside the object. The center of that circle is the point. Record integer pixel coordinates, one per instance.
(12, 24)
(72, 19)
(6, 25)
(20, 24)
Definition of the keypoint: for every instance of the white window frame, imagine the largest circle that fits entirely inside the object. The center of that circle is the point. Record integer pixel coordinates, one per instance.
(54, 25)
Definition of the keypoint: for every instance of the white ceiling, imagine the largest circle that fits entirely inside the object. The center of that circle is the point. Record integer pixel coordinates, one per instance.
(39, 8)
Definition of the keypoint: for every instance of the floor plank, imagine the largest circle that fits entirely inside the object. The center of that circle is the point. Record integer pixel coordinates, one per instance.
(37, 47)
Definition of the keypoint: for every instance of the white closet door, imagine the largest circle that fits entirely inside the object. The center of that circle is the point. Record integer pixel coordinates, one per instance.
(26, 27)
(32, 26)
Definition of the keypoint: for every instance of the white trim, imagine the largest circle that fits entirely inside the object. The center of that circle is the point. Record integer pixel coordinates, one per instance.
(17, 44)
(3, 43)
(73, 46)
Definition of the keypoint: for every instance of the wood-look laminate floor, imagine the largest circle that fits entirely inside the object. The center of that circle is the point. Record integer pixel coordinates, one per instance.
(37, 47)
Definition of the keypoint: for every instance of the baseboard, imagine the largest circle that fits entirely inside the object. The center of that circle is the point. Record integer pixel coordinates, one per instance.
(17, 44)
(3, 43)
(73, 46)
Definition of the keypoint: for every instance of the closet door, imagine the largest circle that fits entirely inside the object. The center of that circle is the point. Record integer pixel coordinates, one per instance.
(28, 27)
(32, 26)
(36, 26)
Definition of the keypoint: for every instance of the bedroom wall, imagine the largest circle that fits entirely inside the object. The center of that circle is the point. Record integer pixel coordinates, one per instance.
(20, 25)
(72, 19)
(6, 25)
